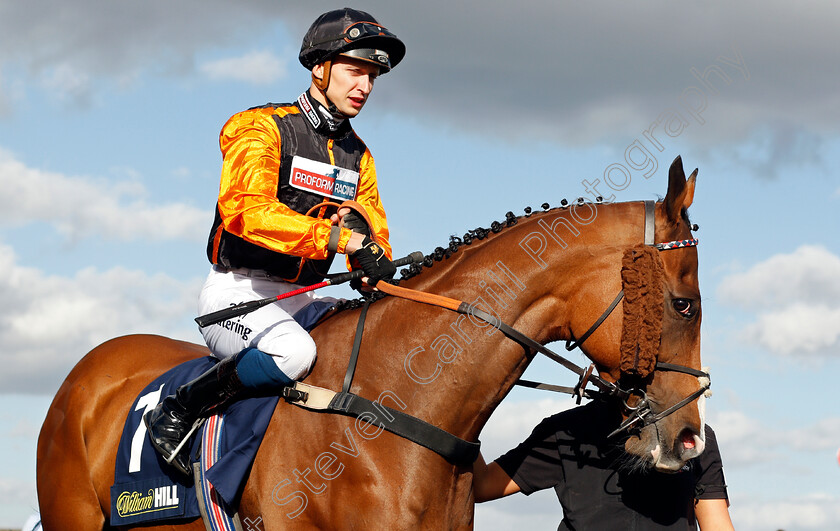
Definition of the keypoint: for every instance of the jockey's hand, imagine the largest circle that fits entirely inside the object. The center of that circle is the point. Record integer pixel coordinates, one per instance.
(371, 258)
(336, 218)
(349, 219)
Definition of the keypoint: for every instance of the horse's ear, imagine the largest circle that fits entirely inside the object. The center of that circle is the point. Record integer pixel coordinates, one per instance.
(689, 197)
(680, 191)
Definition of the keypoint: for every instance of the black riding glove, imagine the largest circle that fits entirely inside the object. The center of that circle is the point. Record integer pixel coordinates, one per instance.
(372, 260)
(356, 223)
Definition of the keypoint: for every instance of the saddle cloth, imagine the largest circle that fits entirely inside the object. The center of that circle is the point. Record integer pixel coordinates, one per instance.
(146, 489)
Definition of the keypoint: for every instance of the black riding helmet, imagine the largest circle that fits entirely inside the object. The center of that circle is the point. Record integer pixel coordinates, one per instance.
(351, 33)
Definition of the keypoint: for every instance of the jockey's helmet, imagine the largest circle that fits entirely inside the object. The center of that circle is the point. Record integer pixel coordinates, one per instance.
(351, 33)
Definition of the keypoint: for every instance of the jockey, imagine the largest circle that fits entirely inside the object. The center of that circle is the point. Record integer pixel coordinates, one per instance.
(277, 226)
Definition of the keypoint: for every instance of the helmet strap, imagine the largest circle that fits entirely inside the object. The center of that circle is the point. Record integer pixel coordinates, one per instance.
(324, 81)
(322, 84)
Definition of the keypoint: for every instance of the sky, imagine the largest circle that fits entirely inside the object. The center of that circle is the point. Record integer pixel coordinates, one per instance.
(109, 168)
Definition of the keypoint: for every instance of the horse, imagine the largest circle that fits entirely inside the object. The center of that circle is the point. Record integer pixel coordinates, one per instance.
(549, 274)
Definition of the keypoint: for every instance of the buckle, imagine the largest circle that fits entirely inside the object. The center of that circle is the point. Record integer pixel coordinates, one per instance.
(290, 394)
(580, 388)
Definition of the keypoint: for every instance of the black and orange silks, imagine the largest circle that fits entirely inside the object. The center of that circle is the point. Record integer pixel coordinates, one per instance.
(261, 220)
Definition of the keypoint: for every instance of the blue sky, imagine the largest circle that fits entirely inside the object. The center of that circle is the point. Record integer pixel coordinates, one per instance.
(109, 168)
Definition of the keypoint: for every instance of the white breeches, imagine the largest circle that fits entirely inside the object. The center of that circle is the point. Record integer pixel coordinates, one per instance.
(271, 328)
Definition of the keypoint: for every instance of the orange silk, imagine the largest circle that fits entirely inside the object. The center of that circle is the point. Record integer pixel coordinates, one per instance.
(368, 197)
(248, 204)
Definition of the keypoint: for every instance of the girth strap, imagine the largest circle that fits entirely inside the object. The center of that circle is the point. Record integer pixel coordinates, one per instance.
(357, 344)
(454, 449)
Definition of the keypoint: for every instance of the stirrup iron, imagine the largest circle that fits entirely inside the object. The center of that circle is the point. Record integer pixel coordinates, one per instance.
(197, 424)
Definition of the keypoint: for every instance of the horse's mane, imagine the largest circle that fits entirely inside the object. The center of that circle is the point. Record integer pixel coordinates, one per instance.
(442, 253)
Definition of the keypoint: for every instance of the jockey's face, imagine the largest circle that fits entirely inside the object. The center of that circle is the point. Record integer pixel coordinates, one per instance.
(350, 83)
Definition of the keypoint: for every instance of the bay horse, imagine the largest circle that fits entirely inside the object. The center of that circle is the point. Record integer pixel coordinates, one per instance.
(549, 275)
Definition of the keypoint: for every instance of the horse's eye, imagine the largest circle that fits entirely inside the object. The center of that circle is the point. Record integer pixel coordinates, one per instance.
(684, 307)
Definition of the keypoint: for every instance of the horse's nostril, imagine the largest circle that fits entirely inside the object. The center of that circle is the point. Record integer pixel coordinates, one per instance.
(687, 438)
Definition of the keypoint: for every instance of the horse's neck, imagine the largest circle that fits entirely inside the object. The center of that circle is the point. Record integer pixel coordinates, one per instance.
(465, 367)
(454, 369)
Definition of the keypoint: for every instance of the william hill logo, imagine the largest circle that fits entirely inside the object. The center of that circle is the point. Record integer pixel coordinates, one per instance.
(130, 503)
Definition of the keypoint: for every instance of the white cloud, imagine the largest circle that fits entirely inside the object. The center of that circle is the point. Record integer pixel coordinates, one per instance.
(81, 207)
(737, 434)
(92, 47)
(797, 328)
(810, 273)
(25, 429)
(812, 512)
(50, 322)
(259, 68)
(68, 83)
(576, 62)
(795, 298)
(12, 92)
(17, 494)
(822, 436)
(778, 452)
(540, 510)
(574, 70)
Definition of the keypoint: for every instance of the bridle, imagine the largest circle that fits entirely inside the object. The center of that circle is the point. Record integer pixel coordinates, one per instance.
(641, 413)
(463, 452)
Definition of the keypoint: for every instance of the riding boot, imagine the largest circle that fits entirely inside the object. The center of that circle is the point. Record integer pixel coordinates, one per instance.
(173, 419)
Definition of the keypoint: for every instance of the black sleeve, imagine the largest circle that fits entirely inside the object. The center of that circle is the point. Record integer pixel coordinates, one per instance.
(710, 485)
(535, 464)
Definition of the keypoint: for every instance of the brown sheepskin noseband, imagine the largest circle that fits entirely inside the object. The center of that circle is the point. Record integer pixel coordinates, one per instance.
(641, 276)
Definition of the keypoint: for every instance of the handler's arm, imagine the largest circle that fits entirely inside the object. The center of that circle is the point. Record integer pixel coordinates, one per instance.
(490, 481)
(711, 507)
(713, 515)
